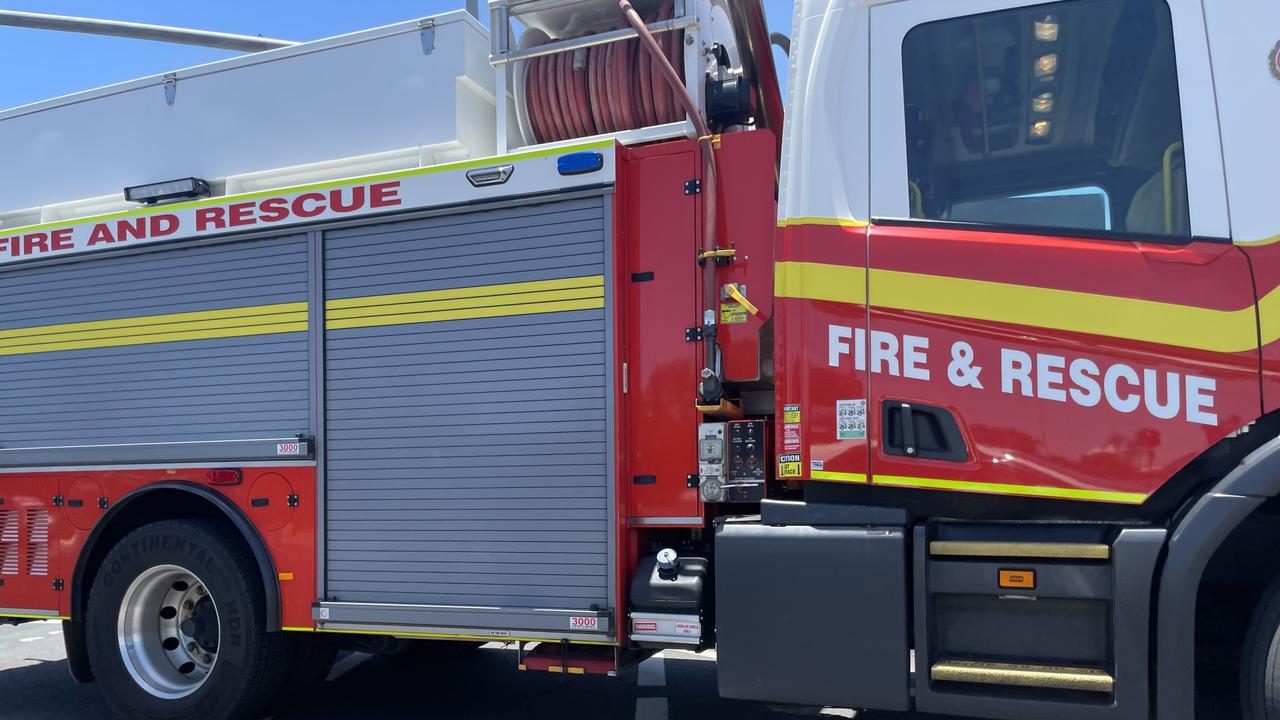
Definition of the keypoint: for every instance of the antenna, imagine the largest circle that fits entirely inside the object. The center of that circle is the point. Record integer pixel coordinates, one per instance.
(141, 31)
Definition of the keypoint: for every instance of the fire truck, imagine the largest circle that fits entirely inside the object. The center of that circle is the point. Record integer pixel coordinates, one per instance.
(950, 382)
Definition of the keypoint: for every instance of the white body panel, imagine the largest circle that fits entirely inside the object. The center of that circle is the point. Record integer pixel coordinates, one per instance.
(825, 156)
(1247, 80)
(370, 92)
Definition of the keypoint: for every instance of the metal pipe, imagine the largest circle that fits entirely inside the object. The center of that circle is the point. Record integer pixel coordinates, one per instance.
(141, 31)
(587, 41)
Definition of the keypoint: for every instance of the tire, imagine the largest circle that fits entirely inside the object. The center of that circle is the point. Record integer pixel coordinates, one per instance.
(1260, 659)
(177, 628)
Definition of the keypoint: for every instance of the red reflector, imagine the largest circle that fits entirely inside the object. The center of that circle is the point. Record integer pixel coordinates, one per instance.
(224, 477)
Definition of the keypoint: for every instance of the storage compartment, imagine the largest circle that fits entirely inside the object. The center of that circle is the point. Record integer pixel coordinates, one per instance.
(372, 92)
(797, 620)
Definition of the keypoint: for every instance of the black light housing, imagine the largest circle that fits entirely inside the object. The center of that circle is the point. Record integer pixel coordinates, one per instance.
(183, 189)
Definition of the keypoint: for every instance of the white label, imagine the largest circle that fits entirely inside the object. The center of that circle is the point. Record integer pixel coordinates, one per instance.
(289, 448)
(689, 629)
(581, 622)
(851, 419)
(817, 464)
(643, 627)
(324, 613)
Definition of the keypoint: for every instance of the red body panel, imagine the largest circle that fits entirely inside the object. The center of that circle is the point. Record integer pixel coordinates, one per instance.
(1023, 439)
(659, 229)
(288, 532)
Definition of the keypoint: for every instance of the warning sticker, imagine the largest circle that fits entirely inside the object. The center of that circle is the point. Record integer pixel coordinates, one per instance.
(851, 419)
(789, 465)
(731, 313)
(790, 413)
(580, 622)
(817, 465)
(791, 437)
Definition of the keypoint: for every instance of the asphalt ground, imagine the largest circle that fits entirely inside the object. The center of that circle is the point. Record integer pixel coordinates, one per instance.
(478, 684)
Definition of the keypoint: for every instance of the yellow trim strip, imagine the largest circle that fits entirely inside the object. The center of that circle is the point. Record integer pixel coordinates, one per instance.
(816, 281)
(345, 182)
(835, 222)
(1032, 676)
(1050, 550)
(1006, 489)
(582, 293)
(144, 330)
(1105, 315)
(838, 476)
(298, 629)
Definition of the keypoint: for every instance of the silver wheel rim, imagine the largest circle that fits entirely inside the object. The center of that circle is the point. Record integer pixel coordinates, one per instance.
(169, 632)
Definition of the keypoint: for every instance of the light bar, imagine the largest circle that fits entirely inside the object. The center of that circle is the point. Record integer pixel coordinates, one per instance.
(184, 189)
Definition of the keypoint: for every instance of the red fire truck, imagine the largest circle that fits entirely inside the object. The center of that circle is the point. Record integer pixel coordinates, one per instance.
(954, 391)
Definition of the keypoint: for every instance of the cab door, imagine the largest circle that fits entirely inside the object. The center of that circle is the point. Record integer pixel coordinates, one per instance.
(1056, 310)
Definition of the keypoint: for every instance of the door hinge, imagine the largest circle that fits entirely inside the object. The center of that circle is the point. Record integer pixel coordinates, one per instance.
(58, 500)
(427, 30)
(692, 187)
(103, 503)
(692, 480)
(170, 88)
(293, 501)
(57, 584)
(693, 334)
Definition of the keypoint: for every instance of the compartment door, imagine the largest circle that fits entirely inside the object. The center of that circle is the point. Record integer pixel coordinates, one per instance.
(468, 441)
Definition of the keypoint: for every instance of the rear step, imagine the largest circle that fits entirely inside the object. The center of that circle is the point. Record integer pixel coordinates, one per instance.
(1020, 675)
(1044, 550)
(569, 659)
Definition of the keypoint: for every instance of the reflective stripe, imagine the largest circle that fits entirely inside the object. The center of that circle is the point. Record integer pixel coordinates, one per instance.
(838, 476)
(837, 222)
(582, 293)
(143, 330)
(1126, 318)
(1005, 489)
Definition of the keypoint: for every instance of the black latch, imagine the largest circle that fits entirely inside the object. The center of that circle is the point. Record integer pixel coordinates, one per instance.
(103, 502)
(75, 503)
(691, 480)
(645, 276)
(57, 501)
(644, 480)
(693, 334)
(692, 187)
(259, 502)
(293, 501)
(57, 584)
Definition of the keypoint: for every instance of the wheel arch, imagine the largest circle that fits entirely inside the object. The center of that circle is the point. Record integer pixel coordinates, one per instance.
(1196, 538)
(159, 501)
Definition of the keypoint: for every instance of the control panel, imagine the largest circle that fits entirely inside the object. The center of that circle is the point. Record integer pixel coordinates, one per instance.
(746, 461)
(732, 466)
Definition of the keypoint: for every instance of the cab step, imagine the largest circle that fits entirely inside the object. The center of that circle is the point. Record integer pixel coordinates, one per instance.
(1052, 677)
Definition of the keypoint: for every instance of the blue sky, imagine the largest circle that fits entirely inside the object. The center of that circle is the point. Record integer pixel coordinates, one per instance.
(38, 64)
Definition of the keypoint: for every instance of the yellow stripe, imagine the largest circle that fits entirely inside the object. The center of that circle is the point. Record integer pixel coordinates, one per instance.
(298, 629)
(346, 182)
(566, 294)
(467, 292)
(838, 476)
(1004, 489)
(836, 222)
(172, 327)
(1264, 241)
(1105, 315)
(815, 281)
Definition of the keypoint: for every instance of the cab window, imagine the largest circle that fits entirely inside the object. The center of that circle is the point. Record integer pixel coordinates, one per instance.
(1064, 115)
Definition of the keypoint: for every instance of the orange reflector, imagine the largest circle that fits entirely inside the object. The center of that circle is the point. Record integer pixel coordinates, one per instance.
(1018, 579)
(286, 576)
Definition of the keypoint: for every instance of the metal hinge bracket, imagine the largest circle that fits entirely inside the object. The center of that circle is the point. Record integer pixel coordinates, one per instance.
(691, 480)
(57, 584)
(693, 334)
(58, 500)
(427, 30)
(170, 88)
(293, 501)
(103, 503)
(692, 187)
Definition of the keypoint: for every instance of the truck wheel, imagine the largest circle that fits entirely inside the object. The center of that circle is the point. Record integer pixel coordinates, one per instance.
(176, 627)
(1260, 661)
